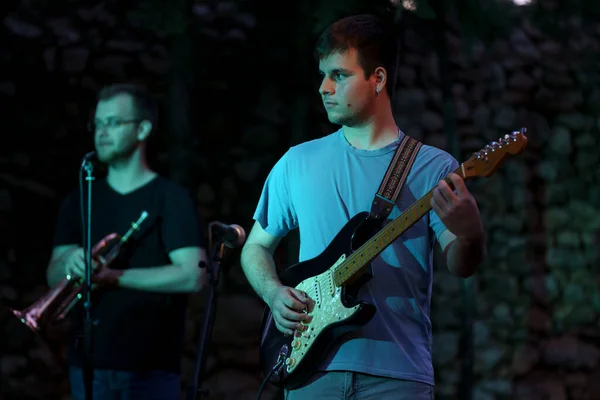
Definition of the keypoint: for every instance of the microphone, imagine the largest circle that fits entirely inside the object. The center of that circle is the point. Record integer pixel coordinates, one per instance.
(232, 235)
(87, 158)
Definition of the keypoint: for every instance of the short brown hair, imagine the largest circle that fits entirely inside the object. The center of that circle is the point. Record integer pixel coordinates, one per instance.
(373, 39)
(144, 103)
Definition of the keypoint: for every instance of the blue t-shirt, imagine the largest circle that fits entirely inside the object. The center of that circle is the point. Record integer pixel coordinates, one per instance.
(317, 187)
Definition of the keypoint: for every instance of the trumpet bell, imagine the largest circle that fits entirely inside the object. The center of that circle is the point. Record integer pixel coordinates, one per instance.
(58, 301)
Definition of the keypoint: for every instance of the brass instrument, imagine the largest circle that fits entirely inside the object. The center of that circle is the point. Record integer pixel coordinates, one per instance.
(56, 303)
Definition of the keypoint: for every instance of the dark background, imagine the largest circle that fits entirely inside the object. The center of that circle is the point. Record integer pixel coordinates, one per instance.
(238, 86)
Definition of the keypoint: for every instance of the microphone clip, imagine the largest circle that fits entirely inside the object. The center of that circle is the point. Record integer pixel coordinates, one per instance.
(231, 236)
(86, 162)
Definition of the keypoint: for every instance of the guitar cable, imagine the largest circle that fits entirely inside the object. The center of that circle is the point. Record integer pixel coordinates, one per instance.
(264, 382)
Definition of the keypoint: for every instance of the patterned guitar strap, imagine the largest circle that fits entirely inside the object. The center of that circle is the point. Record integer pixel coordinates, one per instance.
(395, 176)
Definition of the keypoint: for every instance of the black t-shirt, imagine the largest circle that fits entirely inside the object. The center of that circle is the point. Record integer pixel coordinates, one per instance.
(134, 329)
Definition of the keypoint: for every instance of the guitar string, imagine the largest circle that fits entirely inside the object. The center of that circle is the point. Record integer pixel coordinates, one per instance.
(342, 272)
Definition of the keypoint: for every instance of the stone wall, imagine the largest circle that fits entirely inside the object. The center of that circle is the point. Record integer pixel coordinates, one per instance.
(536, 330)
(536, 323)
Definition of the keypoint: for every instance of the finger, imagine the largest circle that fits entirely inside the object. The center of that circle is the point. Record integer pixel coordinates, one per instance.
(301, 317)
(79, 267)
(96, 265)
(291, 315)
(294, 301)
(459, 184)
(446, 192)
(286, 323)
(73, 267)
(79, 261)
(284, 330)
(439, 209)
(440, 200)
(82, 264)
(299, 295)
(437, 196)
(310, 305)
(69, 270)
(73, 272)
(291, 319)
(304, 298)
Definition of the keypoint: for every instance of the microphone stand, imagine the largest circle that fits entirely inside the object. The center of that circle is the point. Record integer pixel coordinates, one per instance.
(213, 269)
(88, 372)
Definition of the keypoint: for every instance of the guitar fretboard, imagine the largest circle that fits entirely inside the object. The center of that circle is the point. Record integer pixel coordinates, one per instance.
(358, 260)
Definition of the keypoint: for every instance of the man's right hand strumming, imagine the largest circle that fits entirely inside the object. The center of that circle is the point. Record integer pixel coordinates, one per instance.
(290, 307)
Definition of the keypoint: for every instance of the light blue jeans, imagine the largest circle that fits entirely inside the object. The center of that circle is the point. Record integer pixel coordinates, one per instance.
(355, 386)
(126, 385)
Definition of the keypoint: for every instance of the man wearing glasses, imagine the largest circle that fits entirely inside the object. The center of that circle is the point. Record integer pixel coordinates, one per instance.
(139, 302)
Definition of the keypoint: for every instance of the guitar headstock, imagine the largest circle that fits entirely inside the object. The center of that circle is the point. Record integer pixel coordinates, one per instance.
(486, 161)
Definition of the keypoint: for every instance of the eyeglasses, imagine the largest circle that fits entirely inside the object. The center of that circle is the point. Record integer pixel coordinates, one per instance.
(111, 123)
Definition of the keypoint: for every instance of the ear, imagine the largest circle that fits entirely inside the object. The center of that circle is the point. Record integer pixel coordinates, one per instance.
(144, 129)
(380, 76)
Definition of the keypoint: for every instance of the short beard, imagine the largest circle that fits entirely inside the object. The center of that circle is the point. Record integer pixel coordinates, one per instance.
(120, 155)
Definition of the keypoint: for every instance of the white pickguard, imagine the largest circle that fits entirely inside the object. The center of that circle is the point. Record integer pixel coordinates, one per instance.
(328, 310)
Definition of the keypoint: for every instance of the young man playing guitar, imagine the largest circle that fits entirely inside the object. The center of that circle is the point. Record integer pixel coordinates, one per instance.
(318, 186)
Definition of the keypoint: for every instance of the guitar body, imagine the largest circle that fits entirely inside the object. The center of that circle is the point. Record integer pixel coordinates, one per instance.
(336, 310)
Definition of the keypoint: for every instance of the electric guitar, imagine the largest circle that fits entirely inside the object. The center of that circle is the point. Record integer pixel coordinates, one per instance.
(333, 278)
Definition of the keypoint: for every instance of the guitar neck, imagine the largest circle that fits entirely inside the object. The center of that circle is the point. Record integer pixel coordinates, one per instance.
(355, 264)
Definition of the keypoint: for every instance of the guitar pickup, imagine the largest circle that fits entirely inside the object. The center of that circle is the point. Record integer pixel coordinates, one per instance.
(317, 293)
(330, 283)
